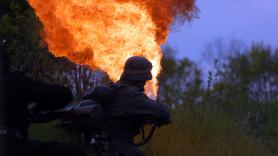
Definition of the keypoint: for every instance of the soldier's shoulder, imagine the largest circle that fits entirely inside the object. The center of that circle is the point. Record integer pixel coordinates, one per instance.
(131, 89)
(126, 89)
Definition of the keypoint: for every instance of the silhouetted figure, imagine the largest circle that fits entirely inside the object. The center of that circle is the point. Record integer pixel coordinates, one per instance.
(130, 109)
(17, 92)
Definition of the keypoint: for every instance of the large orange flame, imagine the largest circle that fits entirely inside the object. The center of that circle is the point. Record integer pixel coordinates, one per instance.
(105, 33)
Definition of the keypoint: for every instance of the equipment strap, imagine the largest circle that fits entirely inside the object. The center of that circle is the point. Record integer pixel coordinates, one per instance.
(144, 139)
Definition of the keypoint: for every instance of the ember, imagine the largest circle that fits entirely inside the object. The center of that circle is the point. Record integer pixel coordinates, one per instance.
(105, 33)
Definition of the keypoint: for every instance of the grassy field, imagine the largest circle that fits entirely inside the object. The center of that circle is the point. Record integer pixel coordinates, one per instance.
(192, 133)
(195, 133)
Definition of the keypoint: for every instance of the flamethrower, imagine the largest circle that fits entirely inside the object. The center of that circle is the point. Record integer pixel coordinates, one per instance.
(86, 117)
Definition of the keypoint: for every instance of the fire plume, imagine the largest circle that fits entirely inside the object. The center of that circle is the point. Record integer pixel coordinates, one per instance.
(105, 33)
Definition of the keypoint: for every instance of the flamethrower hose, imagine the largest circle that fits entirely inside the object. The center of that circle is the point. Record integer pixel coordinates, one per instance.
(144, 139)
(41, 117)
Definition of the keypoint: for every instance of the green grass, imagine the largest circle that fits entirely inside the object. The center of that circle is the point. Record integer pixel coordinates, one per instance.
(195, 133)
(49, 132)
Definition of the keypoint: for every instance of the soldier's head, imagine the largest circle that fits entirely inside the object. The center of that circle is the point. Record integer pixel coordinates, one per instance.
(5, 62)
(137, 70)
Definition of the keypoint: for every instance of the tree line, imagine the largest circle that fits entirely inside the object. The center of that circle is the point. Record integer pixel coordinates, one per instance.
(243, 84)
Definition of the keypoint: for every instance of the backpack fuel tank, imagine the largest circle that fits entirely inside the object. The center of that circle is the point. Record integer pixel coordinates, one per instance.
(89, 114)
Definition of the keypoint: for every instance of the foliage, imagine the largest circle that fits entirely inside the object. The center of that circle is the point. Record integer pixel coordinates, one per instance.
(247, 88)
(235, 112)
(179, 81)
(20, 36)
(198, 132)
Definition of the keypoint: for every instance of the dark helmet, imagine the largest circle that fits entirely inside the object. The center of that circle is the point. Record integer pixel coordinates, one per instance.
(137, 68)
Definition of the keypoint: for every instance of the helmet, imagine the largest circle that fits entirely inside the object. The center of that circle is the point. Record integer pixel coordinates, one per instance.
(137, 68)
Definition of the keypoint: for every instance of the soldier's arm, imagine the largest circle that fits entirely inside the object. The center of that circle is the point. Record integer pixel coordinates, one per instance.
(46, 96)
(149, 110)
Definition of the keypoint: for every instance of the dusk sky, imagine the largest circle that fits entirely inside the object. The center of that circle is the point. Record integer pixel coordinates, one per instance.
(246, 20)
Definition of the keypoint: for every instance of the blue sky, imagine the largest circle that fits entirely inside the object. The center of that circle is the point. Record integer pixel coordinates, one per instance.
(246, 20)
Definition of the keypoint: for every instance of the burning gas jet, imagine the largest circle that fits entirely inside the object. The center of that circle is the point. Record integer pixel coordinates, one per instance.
(105, 33)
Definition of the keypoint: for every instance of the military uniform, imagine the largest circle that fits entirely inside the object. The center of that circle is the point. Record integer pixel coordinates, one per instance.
(18, 91)
(130, 110)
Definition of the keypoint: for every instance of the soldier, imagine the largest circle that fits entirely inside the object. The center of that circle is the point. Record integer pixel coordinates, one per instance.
(131, 108)
(17, 92)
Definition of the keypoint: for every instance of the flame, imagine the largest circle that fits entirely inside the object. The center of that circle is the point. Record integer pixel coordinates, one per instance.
(105, 33)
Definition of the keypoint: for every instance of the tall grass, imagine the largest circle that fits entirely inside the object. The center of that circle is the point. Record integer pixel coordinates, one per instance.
(200, 133)
(50, 132)
(193, 132)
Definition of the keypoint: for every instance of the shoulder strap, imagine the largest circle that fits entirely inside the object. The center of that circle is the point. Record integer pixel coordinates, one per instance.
(145, 139)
